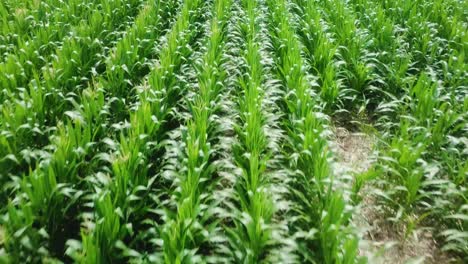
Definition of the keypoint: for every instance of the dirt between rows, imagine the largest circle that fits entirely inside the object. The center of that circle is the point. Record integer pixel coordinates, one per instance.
(381, 242)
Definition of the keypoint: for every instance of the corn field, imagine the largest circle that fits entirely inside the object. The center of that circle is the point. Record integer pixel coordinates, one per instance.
(203, 131)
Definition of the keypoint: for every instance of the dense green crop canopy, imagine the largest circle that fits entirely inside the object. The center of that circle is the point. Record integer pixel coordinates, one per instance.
(193, 131)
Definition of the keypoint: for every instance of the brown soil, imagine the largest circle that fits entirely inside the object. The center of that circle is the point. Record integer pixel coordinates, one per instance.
(385, 243)
(382, 242)
(354, 150)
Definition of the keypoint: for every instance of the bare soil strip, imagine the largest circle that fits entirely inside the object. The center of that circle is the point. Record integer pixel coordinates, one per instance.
(382, 242)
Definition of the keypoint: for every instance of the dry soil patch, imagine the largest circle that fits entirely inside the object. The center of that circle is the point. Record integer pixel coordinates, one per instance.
(382, 242)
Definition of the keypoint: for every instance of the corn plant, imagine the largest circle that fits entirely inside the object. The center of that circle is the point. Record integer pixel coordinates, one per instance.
(320, 51)
(34, 116)
(146, 121)
(353, 42)
(253, 232)
(70, 144)
(68, 71)
(32, 54)
(190, 228)
(423, 131)
(189, 131)
(319, 209)
(22, 20)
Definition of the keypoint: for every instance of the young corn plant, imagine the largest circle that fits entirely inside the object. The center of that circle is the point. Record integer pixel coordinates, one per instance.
(93, 114)
(448, 25)
(432, 118)
(320, 51)
(425, 124)
(352, 44)
(252, 232)
(146, 127)
(22, 121)
(71, 146)
(50, 194)
(130, 61)
(422, 36)
(395, 74)
(386, 42)
(81, 54)
(192, 227)
(22, 22)
(319, 218)
(34, 52)
(70, 70)
(404, 166)
(455, 236)
(193, 131)
(448, 132)
(434, 110)
(19, 122)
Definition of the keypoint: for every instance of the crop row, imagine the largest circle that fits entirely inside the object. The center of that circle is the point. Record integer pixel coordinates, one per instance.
(188, 131)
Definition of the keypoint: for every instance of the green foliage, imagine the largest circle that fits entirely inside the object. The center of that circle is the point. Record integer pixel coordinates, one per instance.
(189, 131)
